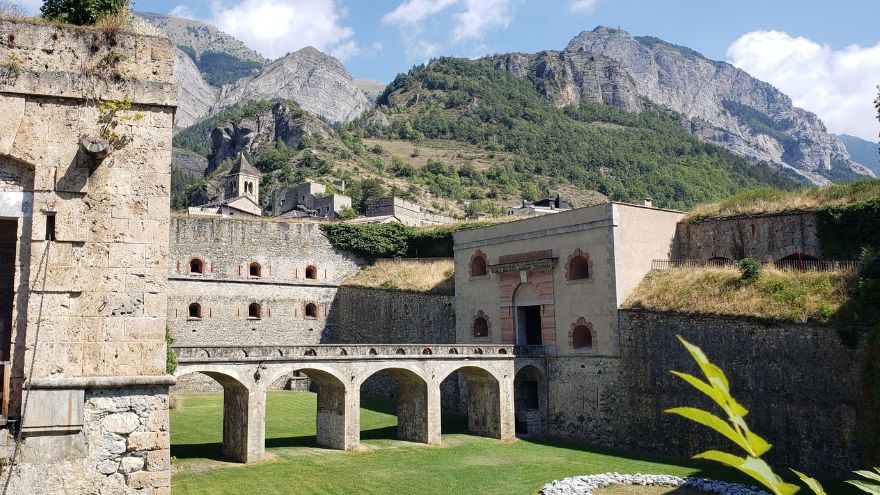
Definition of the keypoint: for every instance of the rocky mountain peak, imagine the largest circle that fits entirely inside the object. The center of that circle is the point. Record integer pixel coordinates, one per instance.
(724, 105)
(318, 82)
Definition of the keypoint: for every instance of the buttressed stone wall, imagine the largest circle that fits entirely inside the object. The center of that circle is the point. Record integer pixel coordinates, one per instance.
(90, 266)
(253, 282)
(379, 316)
(763, 237)
(802, 387)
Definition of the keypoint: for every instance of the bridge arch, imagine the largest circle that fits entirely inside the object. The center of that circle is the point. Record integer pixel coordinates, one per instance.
(485, 403)
(334, 422)
(244, 407)
(530, 399)
(414, 421)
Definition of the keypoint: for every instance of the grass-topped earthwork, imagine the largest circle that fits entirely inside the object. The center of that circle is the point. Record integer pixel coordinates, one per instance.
(428, 276)
(768, 200)
(787, 296)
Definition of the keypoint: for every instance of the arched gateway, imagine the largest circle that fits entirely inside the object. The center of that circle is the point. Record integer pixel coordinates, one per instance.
(338, 372)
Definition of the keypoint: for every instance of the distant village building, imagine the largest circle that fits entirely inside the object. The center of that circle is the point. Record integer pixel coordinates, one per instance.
(393, 209)
(308, 200)
(241, 194)
(540, 207)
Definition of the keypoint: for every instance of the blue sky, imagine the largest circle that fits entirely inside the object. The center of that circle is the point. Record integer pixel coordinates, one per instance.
(826, 55)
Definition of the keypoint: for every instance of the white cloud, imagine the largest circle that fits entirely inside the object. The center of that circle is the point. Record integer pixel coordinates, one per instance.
(471, 20)
(182, 11)
(413, 12)
(838, 85)
(479, 16)
(29, 7)
(276, 27)
(582, 5)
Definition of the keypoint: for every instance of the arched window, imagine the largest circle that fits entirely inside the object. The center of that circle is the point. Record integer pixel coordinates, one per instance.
(196, 266)
(255, 311)
(481, 327)
(579, 266)
(581, 337)
(255, 270)
(312, 272)
(195, 311)
(311, 310)
(479, 267)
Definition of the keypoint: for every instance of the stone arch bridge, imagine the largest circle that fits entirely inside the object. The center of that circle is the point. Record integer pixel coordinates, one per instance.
(338, 372)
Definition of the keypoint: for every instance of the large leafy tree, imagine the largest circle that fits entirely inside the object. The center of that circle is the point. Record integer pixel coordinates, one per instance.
(81, 12)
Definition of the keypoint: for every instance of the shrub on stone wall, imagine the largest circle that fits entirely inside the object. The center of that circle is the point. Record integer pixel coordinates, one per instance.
(82, 12)
(382, 240)
(170, 357)
(393, 240)
(844, 230)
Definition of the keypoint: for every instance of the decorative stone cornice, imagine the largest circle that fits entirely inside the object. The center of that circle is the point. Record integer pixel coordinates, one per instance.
(525, 266)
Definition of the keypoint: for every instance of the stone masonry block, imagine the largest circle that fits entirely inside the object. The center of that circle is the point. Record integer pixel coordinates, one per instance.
(149, 479)
(141, 441)
(127, 255)
(158, 460)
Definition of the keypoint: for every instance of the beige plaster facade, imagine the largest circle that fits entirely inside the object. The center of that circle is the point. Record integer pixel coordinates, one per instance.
(530, 278)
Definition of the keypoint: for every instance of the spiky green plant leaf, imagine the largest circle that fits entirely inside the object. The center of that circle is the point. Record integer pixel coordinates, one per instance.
(811, 483)
(755, 468)
(757, 447)
(865, 486)
(703, 387)
(870, 474)
(716, 378)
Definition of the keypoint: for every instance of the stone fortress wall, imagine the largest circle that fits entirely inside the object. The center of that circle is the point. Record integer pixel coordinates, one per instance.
(763, 237)
(407, 213)
(611, 394)
(297, 267)
(802, 387)
(89, 389)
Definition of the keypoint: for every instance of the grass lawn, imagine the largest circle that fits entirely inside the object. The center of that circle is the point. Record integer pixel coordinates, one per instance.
(464, 464)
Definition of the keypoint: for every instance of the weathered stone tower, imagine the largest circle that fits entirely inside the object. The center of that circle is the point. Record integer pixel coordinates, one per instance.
(84, 232)
(243, 180)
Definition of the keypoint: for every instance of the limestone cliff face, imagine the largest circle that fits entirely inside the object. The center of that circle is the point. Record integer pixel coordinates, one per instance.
(318, 82)
(568, 78)
(195, 97)
(725, 105)
(279, 123)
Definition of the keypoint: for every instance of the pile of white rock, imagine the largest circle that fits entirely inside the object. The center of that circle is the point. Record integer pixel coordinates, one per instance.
(584, 485)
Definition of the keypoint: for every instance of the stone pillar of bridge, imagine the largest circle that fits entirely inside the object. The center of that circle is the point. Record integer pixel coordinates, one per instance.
(412, 408)
(244, 423)
(334, 417)
(434, 409)
(507, 416)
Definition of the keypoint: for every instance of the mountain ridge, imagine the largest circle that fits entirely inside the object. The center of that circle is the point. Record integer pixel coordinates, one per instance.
(318, 82)
(862, 151)
(665, 74)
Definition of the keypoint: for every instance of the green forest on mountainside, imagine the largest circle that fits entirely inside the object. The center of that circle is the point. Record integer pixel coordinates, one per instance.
(624, 156)
(221, 68)
(593, 146)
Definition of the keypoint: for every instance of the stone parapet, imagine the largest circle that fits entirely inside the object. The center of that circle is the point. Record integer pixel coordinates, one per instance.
(214, 354)
(86, 63)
